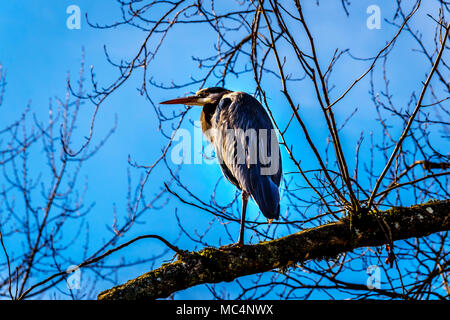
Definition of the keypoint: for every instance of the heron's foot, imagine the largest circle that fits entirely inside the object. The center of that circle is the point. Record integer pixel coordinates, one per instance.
(232, 246)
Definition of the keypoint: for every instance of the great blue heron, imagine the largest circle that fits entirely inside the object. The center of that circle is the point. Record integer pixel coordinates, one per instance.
(245, 144)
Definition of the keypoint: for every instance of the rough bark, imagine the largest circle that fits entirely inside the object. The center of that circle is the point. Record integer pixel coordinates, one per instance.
(213, 265)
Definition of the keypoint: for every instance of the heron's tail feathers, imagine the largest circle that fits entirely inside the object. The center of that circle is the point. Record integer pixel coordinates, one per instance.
(265, 194)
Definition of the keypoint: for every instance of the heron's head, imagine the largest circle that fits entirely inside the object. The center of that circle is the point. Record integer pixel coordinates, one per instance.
(203, 97)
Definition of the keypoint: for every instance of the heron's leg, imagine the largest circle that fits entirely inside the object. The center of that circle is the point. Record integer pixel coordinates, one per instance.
(244, 210)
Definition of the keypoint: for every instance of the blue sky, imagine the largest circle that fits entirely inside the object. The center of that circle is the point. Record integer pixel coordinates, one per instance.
(38, 51)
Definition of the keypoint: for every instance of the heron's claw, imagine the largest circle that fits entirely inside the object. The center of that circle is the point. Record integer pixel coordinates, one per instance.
(232, 246)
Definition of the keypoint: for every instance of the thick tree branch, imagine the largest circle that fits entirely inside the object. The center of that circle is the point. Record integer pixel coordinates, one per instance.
(212, 265)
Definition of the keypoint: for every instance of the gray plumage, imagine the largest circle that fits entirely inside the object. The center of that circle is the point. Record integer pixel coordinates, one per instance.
(239, 110)
(235, 123)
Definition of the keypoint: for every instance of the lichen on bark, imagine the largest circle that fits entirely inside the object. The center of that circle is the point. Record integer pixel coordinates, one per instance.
(213, 265)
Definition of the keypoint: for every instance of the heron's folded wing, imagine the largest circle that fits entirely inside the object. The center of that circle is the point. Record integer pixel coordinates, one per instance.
(241, 122)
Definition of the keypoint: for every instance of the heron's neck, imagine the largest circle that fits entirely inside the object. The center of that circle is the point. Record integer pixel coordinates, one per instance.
(206, 116)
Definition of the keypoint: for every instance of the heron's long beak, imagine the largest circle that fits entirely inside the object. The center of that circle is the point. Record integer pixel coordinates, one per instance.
(189, 101)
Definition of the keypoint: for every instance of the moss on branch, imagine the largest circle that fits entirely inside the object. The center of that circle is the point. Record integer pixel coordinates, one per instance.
(213, 265)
